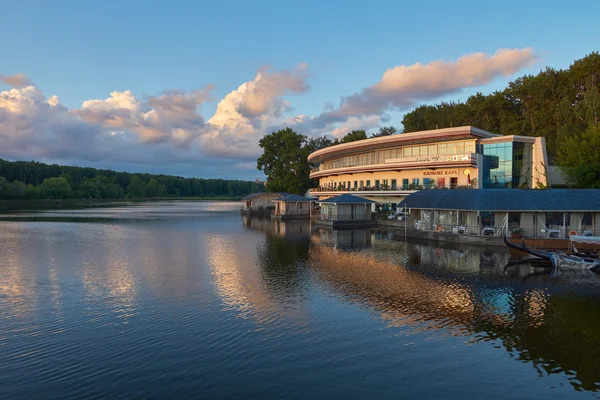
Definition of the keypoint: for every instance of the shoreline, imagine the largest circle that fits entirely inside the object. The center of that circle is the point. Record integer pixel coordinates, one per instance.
(25, 204)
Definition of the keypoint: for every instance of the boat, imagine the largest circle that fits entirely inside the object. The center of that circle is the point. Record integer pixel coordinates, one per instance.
(558, 259)
(540, 254)
(562, 260)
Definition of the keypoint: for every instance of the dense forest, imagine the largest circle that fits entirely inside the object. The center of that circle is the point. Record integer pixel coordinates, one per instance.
(34, 180)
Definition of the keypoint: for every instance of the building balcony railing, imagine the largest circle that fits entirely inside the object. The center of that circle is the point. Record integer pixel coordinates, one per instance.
(382, 188)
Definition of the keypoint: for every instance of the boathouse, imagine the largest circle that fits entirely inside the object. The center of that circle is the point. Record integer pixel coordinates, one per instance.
(346, 211)
(550, 213)
(260, 204)
(292, 206)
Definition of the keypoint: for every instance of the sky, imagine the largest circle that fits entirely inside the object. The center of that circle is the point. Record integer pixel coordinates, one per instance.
(189, 87)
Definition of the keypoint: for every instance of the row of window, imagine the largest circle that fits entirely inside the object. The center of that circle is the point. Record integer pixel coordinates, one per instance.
(379, 156)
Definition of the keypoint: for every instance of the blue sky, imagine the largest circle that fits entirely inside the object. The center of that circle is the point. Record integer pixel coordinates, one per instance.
(82, 51)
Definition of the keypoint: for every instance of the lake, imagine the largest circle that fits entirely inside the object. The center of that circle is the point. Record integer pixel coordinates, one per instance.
(192, 300)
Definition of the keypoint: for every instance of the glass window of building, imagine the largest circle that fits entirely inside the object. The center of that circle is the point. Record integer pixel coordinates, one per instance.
(432, 150)
(393, 184)
(441, 148)
(377, 183)
(355, 184)
(427, 183)
(362, 184)
(470, 147)
(450, 148)
(407, 152)
(415, 181)
(507, 165)
(459, 148)
(405, 184)
(368, 183)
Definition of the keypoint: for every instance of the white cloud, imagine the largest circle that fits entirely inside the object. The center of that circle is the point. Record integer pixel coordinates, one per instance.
(403, 86)
(169, 128)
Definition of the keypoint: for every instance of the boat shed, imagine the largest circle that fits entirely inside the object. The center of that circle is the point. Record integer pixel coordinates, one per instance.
(346, 210)
(292, 206)
(547, 213)
(260, 204)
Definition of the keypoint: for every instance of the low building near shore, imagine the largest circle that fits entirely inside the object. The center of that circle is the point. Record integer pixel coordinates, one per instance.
(292, 206)
(550, 213)
(260, 204)
(346, 211)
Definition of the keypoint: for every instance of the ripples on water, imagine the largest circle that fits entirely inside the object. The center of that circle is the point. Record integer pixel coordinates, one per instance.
(188, 299)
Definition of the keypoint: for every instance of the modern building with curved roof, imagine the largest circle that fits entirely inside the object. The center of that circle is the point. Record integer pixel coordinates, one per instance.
(387, 169)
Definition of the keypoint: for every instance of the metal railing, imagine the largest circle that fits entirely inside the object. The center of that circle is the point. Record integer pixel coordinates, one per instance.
(485, 230)
(390, 188)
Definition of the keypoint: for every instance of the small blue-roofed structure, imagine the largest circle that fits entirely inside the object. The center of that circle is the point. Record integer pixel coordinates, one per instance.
(292, 206)
(346, 210)
(549, 213)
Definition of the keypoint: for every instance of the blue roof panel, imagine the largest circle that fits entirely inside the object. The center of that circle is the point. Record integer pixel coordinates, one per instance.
(292, 198)
(505, 199)
(347, 199)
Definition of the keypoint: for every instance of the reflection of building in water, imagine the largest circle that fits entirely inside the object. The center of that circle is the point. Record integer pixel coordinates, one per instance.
(295, 228)
(345, 239)
(551, 330)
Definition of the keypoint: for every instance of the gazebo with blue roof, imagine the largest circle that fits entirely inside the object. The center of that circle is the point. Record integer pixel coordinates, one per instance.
(347, 211)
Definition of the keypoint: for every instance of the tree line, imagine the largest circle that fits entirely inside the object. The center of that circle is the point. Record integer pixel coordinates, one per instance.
(561, 105)
(35, 180)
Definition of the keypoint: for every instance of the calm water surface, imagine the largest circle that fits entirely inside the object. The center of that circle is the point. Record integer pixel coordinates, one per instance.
(190, 300)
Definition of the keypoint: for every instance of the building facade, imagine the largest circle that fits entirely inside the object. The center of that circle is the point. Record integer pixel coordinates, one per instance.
(387, 169)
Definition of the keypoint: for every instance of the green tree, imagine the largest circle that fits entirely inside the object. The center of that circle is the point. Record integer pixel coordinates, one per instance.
(155, 189)
(385, 131)
(136, 187)
(354, 136)
(88, 189)
(56, 188)
(33, 192)
(318, 143)
(285, 161)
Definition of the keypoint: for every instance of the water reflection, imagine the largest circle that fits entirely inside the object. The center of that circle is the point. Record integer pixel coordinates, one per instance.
(552, 322)
(262, 287)
(172, 300)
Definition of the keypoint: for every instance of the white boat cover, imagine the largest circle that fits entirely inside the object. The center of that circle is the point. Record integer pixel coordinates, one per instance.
(585, 239)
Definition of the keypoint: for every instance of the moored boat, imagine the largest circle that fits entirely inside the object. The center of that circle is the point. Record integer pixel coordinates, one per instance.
(559, 259)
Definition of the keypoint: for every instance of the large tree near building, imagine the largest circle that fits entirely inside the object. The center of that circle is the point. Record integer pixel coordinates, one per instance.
(354, 136)
(285, 161)
(385, 131)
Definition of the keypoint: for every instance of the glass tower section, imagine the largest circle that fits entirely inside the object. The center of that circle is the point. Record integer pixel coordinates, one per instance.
(507, 165)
